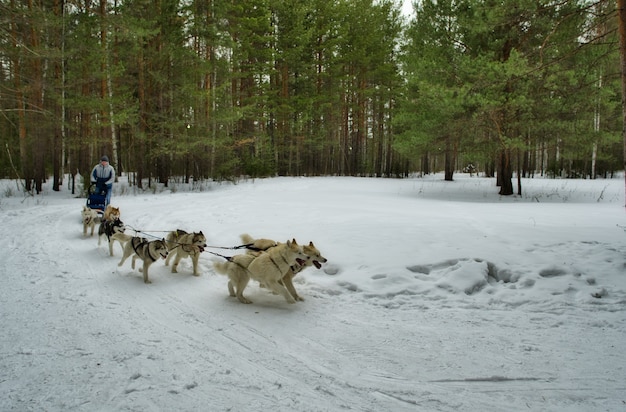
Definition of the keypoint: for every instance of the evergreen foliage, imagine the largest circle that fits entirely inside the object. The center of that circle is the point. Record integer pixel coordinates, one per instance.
(219, 89)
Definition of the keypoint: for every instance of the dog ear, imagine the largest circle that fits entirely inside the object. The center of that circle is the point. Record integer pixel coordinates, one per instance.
(294, 241)
(311, 244)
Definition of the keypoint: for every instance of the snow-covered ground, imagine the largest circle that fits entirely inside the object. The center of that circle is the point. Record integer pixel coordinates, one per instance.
(437, 296)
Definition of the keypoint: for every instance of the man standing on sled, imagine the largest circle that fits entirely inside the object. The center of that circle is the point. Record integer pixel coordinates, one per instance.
(103, 176)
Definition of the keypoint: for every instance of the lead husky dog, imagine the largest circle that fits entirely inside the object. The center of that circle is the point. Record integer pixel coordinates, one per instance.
(114, 231)
(149, 252)
(267, 267)
(183, 245)
(316, 259)
(90, 218)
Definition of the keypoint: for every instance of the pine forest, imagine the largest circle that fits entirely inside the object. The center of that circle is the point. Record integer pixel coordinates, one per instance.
(224, 89)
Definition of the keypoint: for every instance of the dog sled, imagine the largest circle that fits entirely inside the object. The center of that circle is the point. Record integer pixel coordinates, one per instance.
(96, 197)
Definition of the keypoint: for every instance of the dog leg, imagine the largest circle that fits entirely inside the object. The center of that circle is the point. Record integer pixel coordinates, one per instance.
(169, 256)
(242, 282)
(125, 256)
(146, 265)
(288, 283)
(231, 289)
(194, 259)
(176, 262)
(112, 241)
(281, 290)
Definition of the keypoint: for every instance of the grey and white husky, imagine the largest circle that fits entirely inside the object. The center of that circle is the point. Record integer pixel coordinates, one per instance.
(114, 231)
(183, 245)
(148, 251)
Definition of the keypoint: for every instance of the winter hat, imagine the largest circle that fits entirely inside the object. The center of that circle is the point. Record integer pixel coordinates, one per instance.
(104, 159)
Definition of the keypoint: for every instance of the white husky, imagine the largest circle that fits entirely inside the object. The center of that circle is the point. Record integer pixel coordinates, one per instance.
(90, 218)
(267, 267)
(316, 259)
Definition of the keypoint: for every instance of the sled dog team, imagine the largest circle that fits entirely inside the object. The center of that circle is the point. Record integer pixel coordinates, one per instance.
(272, 264)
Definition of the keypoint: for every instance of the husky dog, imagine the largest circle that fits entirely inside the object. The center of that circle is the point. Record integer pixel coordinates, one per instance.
(147, 251)
(267, 267)
(183, 245)
(316, 259)
(111, 213)
(90, 218)
(236, 268)
(114, 231)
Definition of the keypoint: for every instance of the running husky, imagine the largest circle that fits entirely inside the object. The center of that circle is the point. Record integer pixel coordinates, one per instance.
(267, 267)
(90, 218)
(114, 231)
(147, 251)
(316, 259)
(183, 245)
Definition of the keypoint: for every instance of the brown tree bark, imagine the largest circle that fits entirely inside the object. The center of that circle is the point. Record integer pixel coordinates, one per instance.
(505, 173)
(621, 14)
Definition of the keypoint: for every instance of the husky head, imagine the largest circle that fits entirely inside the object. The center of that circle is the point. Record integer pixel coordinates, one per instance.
(116, 226)
(111, 227)
(316, 257)
(297, 252)
(89, 215)
(112, 213)
(199, 240)
(159, 248)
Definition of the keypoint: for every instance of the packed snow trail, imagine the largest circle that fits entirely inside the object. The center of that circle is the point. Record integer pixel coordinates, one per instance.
(79, 333)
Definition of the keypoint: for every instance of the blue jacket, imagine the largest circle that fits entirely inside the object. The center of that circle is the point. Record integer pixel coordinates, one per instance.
(103, 175)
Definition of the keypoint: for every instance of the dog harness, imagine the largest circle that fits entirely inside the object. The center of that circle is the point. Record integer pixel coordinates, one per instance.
(110, 225)
(276, 264)
(143, 242)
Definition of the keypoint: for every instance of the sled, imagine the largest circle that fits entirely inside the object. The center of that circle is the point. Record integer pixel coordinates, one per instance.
(96, 198)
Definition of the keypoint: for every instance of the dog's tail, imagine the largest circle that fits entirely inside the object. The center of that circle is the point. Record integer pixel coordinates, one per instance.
(257, 245)
(221, 267)
(246, 239)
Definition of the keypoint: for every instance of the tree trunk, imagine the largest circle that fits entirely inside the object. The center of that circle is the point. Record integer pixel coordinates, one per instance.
(621, 10)
(141, 137)
(37, 139)
(505, 173)
(426, 164)
(21, 112)
(449, 162)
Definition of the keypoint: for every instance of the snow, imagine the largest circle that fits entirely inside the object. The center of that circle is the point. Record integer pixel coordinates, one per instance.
(437, 296)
